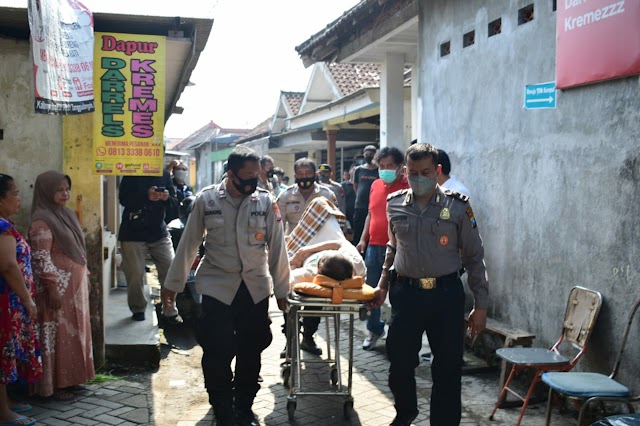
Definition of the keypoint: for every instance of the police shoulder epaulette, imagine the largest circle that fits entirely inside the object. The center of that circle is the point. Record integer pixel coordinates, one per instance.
(210, 187)
(397, 194)
(263, 190)
(459, 196)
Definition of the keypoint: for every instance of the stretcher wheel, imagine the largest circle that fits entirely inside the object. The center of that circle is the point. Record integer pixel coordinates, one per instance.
(363, 313)
(291, 409)
(334, 375)
(347, 409)
(285, 373)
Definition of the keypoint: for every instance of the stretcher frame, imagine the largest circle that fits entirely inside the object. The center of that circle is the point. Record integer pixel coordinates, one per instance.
(291, 370)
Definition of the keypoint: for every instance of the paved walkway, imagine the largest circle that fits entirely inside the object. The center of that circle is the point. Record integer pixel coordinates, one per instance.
(130, 401)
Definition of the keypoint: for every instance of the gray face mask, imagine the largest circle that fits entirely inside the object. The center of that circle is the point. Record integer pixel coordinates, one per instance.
(421, 185)
(181, 175)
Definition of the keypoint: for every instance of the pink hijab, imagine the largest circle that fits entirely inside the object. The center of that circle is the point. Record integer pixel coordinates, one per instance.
(63, 223)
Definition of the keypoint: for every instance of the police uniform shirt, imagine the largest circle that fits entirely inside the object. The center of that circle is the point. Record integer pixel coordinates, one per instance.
(244, 242)
(338, 191)
(431, 242)
(292, 203)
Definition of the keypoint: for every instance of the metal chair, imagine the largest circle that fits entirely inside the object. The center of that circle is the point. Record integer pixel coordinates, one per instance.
(583, 306)
(621, 420)
(593, 387)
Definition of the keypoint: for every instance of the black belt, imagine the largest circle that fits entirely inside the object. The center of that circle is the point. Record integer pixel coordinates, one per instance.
(426, 283)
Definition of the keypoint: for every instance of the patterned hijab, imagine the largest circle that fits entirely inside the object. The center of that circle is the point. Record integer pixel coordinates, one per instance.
(62, 221)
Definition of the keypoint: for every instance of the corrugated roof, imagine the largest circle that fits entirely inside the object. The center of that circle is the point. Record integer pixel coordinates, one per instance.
(198, 137)
(208, 132)
(260, 131)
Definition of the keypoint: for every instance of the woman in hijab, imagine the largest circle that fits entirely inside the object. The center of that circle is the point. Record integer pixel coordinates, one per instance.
(62, 288)
(20, 360)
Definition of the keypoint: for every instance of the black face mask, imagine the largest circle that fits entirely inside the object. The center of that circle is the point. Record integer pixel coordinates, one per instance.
(305, 183)
(246, 186)
(270, 174)
(368, 160)
(323, 178)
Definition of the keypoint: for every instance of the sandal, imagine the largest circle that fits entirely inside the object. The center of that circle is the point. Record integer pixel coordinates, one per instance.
(62, 396)
(21, 407)
(20, 421)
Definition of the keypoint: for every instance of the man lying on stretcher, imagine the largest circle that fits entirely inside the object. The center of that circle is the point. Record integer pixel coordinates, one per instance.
(318, 233)
(318, 240)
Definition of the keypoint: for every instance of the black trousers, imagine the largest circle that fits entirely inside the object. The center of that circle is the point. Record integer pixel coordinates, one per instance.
(439, 312)
(240, 330)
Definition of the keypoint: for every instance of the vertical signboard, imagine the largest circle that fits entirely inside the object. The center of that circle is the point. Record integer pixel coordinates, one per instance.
(128, 124)
(596, 40)
(62, 51)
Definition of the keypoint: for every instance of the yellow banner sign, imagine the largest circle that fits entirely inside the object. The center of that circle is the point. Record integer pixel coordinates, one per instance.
(129, 87)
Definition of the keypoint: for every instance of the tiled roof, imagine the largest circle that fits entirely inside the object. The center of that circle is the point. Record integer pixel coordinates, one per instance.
(261, 130)
(294, 100)
(352, 77)
(361, 18)
(344, 20)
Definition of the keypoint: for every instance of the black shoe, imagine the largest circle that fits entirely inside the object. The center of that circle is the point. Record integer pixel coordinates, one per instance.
(223, 412)
(138, 316)
(309, 345)
(403, 420)
(246, 418)
(174, 320)
(283, 354)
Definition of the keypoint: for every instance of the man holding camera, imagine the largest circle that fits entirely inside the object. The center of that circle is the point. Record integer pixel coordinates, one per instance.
(150, 203)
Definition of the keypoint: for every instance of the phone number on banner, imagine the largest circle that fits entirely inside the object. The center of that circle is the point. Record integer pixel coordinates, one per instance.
(147, 152)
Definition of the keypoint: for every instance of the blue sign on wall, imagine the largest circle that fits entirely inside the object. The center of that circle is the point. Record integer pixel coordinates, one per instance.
(540, 96)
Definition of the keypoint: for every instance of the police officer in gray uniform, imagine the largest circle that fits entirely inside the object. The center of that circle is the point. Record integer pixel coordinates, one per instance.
(324, 177)
(430, 232)
(292, 203)
(293, 200)
(245, 256)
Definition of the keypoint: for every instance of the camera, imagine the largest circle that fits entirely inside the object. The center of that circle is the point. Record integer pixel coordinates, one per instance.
(160, 189)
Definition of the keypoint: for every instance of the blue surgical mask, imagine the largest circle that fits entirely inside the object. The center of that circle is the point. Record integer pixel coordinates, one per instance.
(388, 176)
(421, 185)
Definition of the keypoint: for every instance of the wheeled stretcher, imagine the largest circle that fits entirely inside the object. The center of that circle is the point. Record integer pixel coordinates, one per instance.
(292, 369)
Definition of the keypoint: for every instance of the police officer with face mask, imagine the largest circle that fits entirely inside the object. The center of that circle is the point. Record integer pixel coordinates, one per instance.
(295, 199)
(245, 258)
(324, 177)
(292, 203)
(432, 234)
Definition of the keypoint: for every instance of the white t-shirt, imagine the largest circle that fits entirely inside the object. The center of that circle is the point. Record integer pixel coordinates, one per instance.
(453, 184)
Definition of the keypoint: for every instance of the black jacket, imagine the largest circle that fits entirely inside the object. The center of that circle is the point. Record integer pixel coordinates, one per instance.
(144, 220)
(182, 191)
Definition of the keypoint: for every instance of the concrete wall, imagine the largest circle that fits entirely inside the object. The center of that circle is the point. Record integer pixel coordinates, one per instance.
(32, 143)
(556, 192)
